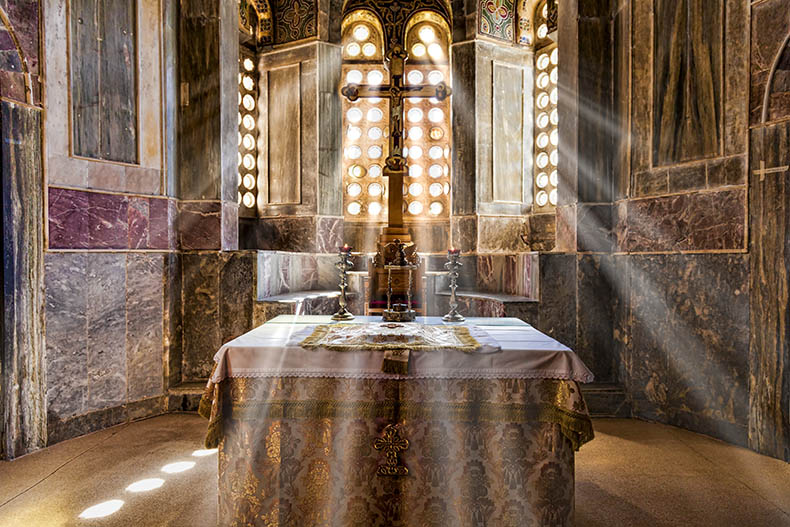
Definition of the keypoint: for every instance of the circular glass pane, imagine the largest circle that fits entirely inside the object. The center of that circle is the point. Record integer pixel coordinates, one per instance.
(354, 208)
(248, 200)
(543, 80)
(249, 162)
(353, 49)
(374, 152)
(356, 171)
(555, 157)
(405, 151)
(354, 133)
(554, 116)
(415, 132)
(374, 189)
(545, 11)
(361, 32)
(354, 115)
(427, 34)
(248, 83)
(375, 115)
(555, 137)
(554, 75)
(543, 31)
(435, 152)
(418, 50)
(248, 102)
(436, 133)
(553, 178)
(369, 49)
(435, 189)
(414, 77)
(415, 115)
(239, 154)
(435, 77)
(543, 120)
(415, 189)
(415, 171)
(554, 96)
(375, 77)
(543, 140)
(374, 209)
(543, 61)
(248, 64)
(354, 77)
(415, 152)
(435, 115)
(238, 198)
(436, 208)
(435, 171)
(248, 142)
(553, 197)
(354, 190)
(249, 181)
(542, 160)
(415, 208)
(555, 56)
(374, 170)
(375, 133)
(446, 188)
(435, 51)
(249, 122)
(543, 100)
(353, 152)
(542, 198)
(542, 180)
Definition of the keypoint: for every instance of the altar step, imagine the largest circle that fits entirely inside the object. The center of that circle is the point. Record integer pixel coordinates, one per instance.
(606, 400)
(185, 397)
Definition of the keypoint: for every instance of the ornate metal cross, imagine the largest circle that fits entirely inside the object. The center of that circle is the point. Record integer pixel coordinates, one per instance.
(391, 444)
(396, 166)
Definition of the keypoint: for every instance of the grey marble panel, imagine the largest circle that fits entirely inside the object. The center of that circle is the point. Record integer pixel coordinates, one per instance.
(144, 325)
(106, 315)
(202, 334)
(236, 295)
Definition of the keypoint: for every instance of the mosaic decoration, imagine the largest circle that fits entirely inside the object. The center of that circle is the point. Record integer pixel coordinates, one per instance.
(496, 18)
(295, 20)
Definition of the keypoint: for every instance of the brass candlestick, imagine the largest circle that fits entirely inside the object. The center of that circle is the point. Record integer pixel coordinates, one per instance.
(453, 265)
(343, 266)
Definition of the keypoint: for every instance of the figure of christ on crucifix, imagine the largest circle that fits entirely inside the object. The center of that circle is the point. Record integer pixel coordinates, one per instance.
(395, 169)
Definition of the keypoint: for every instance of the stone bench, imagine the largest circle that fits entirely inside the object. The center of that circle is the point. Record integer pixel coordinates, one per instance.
(323, 302)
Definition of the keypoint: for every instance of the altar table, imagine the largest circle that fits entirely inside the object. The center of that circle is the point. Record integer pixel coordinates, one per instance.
(312, 437)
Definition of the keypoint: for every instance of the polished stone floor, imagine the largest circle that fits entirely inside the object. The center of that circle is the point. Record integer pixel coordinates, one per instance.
(632, 474)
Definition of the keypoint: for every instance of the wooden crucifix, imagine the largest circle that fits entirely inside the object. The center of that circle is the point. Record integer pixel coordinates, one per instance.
(763, 171)
(396, 166)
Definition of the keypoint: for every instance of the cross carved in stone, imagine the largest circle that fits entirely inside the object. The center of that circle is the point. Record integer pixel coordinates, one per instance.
(391, 444)
(762, 172)
(396, 166)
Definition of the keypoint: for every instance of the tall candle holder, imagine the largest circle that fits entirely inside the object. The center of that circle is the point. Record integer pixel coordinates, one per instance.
(343, 266)
(453, 265)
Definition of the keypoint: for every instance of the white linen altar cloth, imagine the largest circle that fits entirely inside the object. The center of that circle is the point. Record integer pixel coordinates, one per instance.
(272, 350)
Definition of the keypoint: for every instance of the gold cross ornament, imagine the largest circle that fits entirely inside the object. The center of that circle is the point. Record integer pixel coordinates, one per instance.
(763, 171)
(391, 444)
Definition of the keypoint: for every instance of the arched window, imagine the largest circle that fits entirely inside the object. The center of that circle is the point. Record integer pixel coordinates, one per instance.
(366, 121)
(546, 117)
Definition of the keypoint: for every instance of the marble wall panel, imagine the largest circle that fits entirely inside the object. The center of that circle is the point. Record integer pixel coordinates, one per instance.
(688, 320)
(594, 313)
(684, 222)
(542, 231)
(557, 312)
(329, 234)
(106, 314)
(594, 228)
(22, 372)
(769, 362)
(237, 293)
(67, 333)
(173, 318)
(144, 325)
(200, 225)
(779, 90)
(464, 233)
(500, 234)
(770, 27)
(19, 52)
(201, 316)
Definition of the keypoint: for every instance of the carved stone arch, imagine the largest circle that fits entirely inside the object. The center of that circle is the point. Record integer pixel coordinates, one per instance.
(395, 14)
(20, 53)
(780, 70)
(255, 19)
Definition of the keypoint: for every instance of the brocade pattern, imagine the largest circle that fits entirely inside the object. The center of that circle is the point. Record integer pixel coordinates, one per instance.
(300, 452)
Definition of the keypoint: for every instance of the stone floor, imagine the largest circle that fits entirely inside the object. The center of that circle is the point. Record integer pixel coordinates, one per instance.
(632, 474)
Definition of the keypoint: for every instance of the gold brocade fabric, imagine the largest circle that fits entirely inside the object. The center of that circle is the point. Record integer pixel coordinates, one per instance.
(390, 336)
(308, 451)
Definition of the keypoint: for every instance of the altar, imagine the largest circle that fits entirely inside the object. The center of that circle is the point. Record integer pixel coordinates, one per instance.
(314, 431)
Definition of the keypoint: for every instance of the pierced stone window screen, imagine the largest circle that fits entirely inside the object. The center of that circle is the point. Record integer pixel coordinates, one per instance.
(365, 122)
(546, 115)
(248, 135)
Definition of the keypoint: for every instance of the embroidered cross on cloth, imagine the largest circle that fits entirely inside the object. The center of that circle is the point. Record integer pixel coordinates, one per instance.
(396, 341)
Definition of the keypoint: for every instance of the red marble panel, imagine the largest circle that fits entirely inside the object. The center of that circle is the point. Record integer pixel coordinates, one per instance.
(108, 221)
(68, 219)
(200, 225)
(162, 213)
(687, 222)
(139, 223)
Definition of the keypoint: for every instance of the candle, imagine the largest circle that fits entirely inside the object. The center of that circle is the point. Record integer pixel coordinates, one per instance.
(454, 251)
(345, 249)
